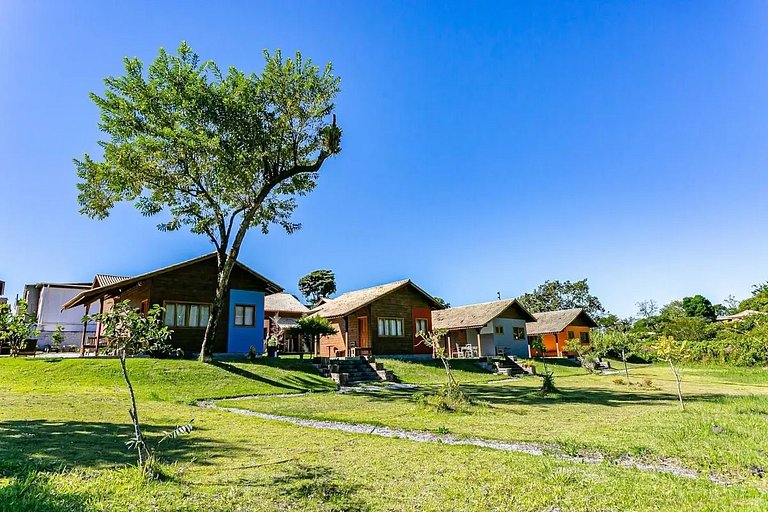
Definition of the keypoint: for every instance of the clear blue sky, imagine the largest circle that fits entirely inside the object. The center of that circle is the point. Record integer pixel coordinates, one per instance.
(486, 147)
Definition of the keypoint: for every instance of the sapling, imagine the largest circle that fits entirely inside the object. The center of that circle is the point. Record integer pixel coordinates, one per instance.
(57, 337)
(548, 378)
(451, 394)
(130, 332)
(675, 353)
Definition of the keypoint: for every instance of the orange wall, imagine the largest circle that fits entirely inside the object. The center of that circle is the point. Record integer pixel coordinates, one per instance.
(562, 339)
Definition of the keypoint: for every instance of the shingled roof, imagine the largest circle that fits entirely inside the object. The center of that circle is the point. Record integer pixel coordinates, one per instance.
(116, 287)
(349, 302)
(474, 315)
(284, 303)
(555, 321)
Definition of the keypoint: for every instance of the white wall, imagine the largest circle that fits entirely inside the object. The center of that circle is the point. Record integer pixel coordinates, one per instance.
(49, 313)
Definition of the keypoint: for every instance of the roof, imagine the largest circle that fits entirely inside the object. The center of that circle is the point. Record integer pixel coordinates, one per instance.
(107, 279)
(474, 315)
(59, 285)
(555, 321)
(284, 303)
(349, 302)
(89, 296)
(738, 316)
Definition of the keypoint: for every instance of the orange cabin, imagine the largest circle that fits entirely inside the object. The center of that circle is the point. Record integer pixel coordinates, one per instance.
(557, 328)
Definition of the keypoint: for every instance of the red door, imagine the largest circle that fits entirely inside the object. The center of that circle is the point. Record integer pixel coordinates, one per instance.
(422, 321)
(363, 341)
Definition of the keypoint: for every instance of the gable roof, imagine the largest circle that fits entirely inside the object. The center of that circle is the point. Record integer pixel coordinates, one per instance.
(284, 302)
(474, 315)
(91, 295)
(349, 302)
(106, 280)
(555, 321)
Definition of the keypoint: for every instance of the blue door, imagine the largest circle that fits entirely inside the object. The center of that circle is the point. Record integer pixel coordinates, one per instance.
(246, 321)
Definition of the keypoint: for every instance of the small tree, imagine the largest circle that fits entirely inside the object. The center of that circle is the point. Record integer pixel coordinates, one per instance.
(311, 328)
(16, 328)
(548, 378)
(614, 341)
(57, 337)
(451, 395)
(585, 355)
(675, 353)
(317, 284)
(131, 332)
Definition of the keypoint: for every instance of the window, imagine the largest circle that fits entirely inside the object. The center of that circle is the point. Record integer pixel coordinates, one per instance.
(518, 333)
(571, 335)
(245, 316)
(499, 329)
(422, 325)
(390, 326)
(584, 336)
(180, 314)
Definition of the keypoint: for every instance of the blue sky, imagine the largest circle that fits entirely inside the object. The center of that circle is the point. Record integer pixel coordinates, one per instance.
(486, 147)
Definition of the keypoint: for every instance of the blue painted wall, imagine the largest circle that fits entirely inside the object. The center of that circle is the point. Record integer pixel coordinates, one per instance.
(240, 339)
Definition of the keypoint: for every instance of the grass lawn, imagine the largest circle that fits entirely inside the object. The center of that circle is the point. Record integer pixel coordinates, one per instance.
(63, 426)
(723, 429)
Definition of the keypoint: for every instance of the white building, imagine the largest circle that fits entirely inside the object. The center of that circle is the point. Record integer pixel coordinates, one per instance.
(46, 301)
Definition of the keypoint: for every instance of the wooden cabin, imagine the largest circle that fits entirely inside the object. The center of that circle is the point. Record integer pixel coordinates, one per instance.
(382, 319)
(285, 309)
(186, 290)
(486, 329)
(557, 328)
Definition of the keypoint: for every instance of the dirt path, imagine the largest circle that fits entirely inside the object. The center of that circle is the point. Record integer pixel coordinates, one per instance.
(538, 449)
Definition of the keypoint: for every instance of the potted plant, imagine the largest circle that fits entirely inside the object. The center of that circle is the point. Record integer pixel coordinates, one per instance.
(272, 346)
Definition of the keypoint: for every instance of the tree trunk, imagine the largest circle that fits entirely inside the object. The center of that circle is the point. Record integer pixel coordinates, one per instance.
(226, 262)
(679, 385)
(141, 446)
(624, 360)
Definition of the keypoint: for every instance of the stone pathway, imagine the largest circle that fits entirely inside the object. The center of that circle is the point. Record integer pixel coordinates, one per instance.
(419, 436)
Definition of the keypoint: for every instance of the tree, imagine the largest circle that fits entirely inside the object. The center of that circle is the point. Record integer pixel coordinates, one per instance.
(675, 353)
(548, 378)
(451, 396)
(130, 332)
(16, 328)
(647, 308)
(615, 341)
(698, 306)
(317, 284)
(442, 302)
(221, 153)
(759, 299)
(554, 295)
(312, 328)
(57, 337)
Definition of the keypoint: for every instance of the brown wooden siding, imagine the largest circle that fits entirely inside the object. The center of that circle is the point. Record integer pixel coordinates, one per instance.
(398, 304)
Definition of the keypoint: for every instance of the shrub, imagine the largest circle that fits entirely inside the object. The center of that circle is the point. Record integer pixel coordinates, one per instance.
(619, 381)
(548, 383)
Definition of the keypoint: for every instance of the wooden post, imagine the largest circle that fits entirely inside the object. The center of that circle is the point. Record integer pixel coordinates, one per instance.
(479, 344)
(448, 344)
(85, 330)
(346, 336)
(557, 345)
(98, 327)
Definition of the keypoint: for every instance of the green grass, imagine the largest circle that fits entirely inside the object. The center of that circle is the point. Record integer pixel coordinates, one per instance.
(167, 380)
(724, 428)
(63, 427)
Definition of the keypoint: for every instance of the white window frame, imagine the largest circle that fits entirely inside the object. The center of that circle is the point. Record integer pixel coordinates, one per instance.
(172, 309)
(387, 324)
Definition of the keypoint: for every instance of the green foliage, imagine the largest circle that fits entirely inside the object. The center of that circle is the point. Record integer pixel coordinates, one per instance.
(129, 331)
(442, 302)
(698, 306)
(57, 336)
(674, 353)
(317, 284)
(548, 384)
(758, 301)
(16, 328)
(311, 328)
(553, 295)
(218, 152)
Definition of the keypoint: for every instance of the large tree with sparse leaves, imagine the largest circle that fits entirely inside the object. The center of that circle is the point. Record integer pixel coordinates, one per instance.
(219, 152)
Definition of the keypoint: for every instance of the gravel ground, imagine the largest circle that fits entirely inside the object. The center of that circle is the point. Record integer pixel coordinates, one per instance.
(538, 449)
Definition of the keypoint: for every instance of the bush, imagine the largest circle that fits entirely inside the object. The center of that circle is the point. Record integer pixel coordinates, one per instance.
(548, 384)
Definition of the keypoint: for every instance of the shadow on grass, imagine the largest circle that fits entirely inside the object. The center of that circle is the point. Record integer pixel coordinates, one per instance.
(40, 445)
(35, 492)
(494, 394)
(288, 382)
(305, 484)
